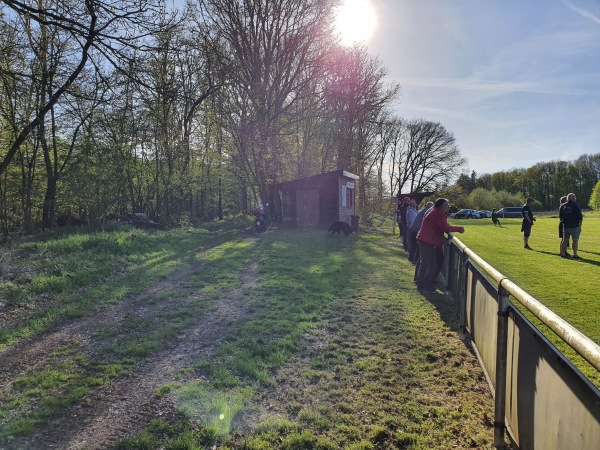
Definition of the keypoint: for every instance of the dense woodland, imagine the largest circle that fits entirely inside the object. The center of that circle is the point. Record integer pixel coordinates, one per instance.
(189, 115)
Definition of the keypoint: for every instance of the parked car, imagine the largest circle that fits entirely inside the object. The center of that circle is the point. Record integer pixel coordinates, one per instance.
(485, 214)
(510, 212)
(467, 214)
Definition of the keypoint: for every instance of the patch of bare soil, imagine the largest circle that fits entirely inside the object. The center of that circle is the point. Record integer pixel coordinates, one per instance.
(128, 403)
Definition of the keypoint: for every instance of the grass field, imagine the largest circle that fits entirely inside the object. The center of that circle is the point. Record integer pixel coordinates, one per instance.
(192, 339)
(285, 340)
(567, 287)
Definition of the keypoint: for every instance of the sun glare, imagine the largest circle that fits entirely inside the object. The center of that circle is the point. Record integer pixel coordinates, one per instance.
(355, 21)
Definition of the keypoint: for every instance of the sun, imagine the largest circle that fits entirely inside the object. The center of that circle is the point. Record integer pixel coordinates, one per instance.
(355, 21)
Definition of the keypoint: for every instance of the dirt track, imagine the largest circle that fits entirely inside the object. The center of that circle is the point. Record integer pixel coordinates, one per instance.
(128, 403)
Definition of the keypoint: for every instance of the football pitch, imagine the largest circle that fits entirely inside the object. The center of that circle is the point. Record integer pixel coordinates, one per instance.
(566, 286)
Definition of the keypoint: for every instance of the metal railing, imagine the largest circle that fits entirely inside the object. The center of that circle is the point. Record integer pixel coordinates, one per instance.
(541, 398)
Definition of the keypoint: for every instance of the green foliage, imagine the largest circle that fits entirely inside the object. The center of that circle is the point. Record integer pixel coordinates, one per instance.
(545, 181)
(481, 198)
(595, 198)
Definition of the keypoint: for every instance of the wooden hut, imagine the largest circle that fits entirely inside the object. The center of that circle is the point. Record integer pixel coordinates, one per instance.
(317, 201)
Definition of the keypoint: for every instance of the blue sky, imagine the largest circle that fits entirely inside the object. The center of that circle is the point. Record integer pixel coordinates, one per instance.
(516, 81)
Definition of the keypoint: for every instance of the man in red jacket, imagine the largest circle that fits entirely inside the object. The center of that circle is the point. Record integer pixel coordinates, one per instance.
(431, 241)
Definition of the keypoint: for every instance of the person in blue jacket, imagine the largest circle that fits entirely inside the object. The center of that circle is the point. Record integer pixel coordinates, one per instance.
(571, 217)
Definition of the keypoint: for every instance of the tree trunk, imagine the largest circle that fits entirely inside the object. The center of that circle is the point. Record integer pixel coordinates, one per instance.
(49, 203)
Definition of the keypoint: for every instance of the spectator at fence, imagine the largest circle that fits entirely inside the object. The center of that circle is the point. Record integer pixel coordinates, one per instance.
(571, 216)
(402, 221)
(411, 213)
(528, 220)
(430, 239)
(415, 226)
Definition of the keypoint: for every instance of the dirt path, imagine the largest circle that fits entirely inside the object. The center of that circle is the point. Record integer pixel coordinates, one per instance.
(129, 402)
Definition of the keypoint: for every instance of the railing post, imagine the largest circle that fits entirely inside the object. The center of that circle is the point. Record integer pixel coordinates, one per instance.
(501, 367)
(463, 280)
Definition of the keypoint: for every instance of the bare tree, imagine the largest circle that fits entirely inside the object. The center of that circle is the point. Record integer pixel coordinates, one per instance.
(18, 101)
(277, 50)
(432, 157)
(103, 30)
(356, 94)
(180, 76)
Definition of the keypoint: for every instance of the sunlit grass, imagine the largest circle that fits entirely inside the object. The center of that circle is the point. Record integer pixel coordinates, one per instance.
(567, 287)
(67, 377)
(337, 350)
(377, 339)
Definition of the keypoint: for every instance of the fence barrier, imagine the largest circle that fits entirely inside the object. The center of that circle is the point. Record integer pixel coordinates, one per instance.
(541, 398)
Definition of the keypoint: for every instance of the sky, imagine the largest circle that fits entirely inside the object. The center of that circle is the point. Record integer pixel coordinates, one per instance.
(516, 82)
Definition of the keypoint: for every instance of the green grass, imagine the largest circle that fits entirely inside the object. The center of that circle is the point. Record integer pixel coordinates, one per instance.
(343, 351)
(68, 376)
(338, 349)
(567, 287)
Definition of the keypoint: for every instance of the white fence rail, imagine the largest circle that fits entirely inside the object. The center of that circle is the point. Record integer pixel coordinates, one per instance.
(541, 398)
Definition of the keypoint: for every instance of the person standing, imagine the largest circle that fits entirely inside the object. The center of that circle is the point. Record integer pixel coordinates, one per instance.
(563, 200)
(430, 239)
(528, 220)
(411, 213)
(415, 226)
(571, 217)
(402, 221)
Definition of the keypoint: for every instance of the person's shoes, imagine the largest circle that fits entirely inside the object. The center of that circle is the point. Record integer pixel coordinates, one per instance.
(568, 254)
(527, 247)
(565, 256)
(577, 258)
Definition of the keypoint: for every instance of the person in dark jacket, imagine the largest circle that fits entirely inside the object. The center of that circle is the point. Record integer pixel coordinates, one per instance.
(528, 220)
(495, 218)
(430, 239)
(571, 217)
(402, 223)
(563, 200)
(413, 230)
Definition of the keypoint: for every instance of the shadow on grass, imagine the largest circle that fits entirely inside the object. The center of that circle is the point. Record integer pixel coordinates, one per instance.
(582, 260)
(445, 306)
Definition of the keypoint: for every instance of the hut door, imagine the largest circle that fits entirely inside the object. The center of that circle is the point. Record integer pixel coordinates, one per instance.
(307, 207)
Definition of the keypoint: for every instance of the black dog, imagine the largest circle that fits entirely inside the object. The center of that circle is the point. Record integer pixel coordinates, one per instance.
(343, 227)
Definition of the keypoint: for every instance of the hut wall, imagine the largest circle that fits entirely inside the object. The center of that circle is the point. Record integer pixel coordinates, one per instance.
(322, 195)
(288, 206)
(329, 204)
(346, 190)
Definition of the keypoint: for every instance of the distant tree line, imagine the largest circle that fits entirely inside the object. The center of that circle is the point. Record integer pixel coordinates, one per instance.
(115, 107)
(546, 182)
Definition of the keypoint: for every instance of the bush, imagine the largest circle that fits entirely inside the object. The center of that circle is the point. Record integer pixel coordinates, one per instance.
(595, 198)
(481, 198)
